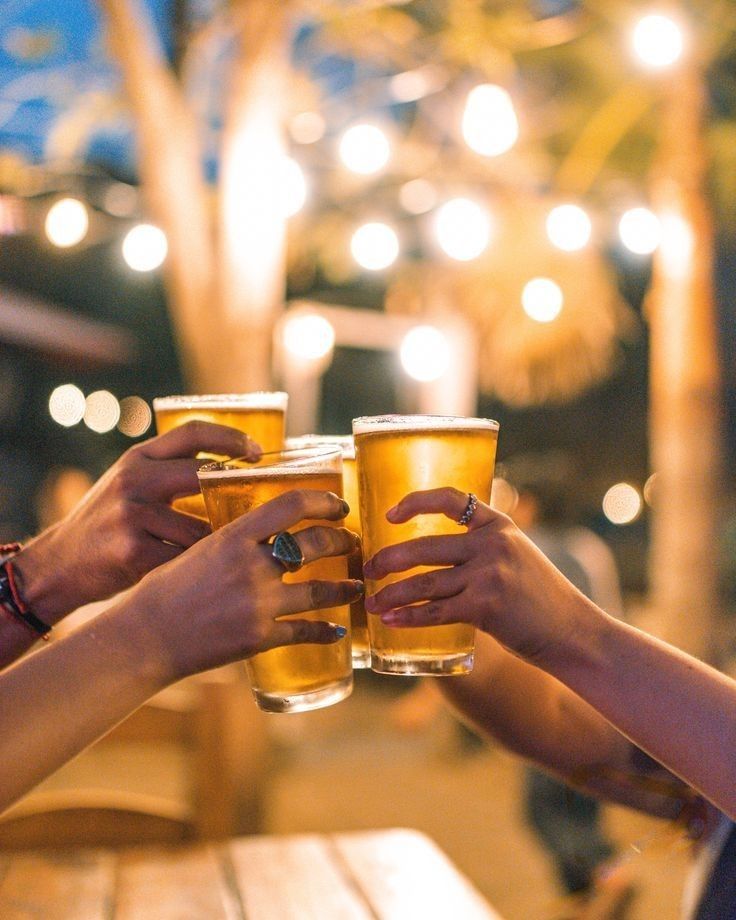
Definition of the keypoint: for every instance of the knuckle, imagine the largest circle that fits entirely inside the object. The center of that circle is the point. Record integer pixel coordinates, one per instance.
(426, 582)
(318, 593)
(323, 540)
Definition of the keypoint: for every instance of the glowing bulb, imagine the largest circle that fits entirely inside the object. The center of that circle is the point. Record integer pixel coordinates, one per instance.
(67, 222)
(504, 496)
(307, 127)
(102, 411)
(568, 227)
(364, 149)
(622, 503)
(640, 231)
(294, 187)
(463, 229)
(417, 196)
(425, 353)
(542, 300)
(66, 405)
(489, 125)
(375, 246)
(308, 336)
(658, 41)
(135, 416)
(144, 248)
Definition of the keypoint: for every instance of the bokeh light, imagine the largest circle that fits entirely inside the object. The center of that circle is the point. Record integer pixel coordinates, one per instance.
(375, 246)
(490, 126)
(640, 231)
(144, 247)
(364, 149)
(463, 229)
(67, 222)
(622, 503)
(294, 187)
(658, 41)
(569, 227)
(418, 196)
(504, 496)
(307, 127)
(102, 411)
(308, 336)
(542, 299)
(650, 490)
(67, 405)
(425, 353)
(135, 416)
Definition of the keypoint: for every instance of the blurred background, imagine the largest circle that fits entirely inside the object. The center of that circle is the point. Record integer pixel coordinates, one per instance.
(521, 210)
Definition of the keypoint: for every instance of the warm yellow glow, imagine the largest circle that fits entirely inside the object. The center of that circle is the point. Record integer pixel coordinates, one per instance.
(66, 405)
(569, 227)
(307, 127)
(542, 299)
(676, 245)
(135, 416)
(490, 126)
(418, 196)
(102, 411)
(425, 353)
(145, 247)
(411, 85)
(658, 41)
(640, 231)
(463, 229)
(294, 187)
(67, 222)
(308, 336)
(375, 246)
(650, 490)
(622, 503)
(504, 496)
(364, 149)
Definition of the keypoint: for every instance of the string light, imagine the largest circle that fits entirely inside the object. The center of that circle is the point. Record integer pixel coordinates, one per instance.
(417, 196)
(375, 246)
(308, 336)
(364, 149)
(67, 222)
(490, 126)
(622, 503)
(102, 411)
(568, 227)
(307, 127)
(67, 405)
(463, 229)
(294, 187)
(640, 231)
(658, 41)
(135, 416)
(425, 353)
(145, 248)
(542, 299)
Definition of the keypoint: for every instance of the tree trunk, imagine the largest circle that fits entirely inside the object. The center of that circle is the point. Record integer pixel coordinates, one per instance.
(252, 220)
(685, 398)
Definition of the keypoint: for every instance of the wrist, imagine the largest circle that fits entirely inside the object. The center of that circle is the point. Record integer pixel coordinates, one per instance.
(47, 585)
(579, 653)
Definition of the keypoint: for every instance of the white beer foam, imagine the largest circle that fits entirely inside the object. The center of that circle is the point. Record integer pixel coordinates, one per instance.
(369, 424)
(223, 401)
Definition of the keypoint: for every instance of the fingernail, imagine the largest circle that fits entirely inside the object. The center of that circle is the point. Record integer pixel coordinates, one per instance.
(345, 507)
(392, 512)
(359, 587)
(341, 632)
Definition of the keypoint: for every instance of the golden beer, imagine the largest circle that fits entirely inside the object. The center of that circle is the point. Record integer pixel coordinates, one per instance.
(401, 454)
(359, 625)
(260, 415)
(292, 678)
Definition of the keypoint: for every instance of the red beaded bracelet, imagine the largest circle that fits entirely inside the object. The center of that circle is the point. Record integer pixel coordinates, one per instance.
(10, 597)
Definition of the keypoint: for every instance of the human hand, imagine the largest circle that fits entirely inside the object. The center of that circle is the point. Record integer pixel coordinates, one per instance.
(125, 525)
(494, 577)
(224, 599)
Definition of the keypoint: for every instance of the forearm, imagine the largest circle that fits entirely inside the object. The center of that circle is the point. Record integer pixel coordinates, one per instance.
(676, 708)
(58, 701)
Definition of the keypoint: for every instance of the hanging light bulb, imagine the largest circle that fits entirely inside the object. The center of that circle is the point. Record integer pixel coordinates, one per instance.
(364, 149)
(375, 246)
(463, 229)
(490, 126)
(658, 41)
(67, 222)
(569, 227)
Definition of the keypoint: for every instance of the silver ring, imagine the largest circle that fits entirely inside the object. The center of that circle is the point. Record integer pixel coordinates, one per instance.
(288, 552)
(467, 515)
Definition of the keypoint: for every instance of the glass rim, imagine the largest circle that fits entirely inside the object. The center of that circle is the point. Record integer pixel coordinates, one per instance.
(297, 458)
(257, 399)
(345, 441)
(397, 422)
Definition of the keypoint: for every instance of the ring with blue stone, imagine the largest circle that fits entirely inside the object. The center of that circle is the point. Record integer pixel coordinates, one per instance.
(288, 552)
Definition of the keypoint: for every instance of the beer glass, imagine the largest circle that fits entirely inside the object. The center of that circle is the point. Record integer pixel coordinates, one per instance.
(400, 454)
(361, 650)
(259, 415)
(292, 678)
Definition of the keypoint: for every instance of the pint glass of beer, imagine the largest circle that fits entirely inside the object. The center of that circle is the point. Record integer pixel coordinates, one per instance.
(292, 678)
(259, 415)
(398, 454)
(361, 650)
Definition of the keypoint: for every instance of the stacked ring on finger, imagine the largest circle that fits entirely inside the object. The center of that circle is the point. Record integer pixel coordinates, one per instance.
(287, 551)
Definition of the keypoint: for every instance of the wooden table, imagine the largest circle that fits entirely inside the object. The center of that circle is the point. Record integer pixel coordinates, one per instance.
(392, 874)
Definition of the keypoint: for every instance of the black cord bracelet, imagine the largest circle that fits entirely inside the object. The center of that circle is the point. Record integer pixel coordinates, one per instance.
(13, 603)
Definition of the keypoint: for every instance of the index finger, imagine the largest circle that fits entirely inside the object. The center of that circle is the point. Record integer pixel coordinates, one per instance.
(433, 550)
(196, 437)
(291, 508)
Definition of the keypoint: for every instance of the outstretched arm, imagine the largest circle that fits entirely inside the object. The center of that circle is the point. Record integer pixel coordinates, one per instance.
(677, 709)
(219, 601)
